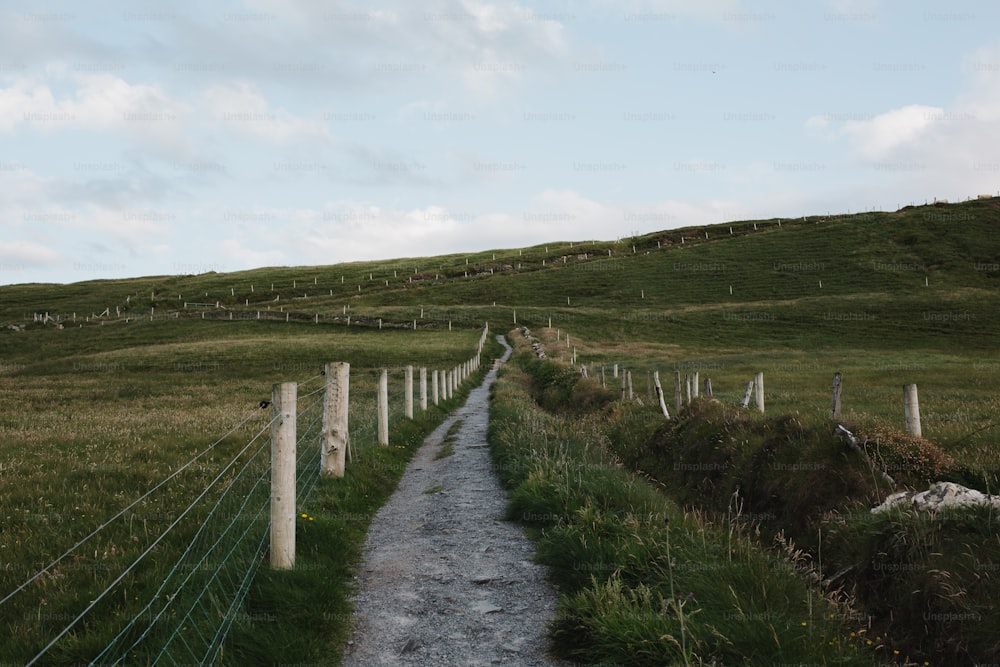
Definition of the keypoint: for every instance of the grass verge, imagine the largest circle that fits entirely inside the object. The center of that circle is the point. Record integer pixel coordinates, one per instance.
(642, 581)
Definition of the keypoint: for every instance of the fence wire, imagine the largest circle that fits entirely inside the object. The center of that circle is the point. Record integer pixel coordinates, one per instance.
(165, 608)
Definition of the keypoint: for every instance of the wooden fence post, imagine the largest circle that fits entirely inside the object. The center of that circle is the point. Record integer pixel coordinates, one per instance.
(443, 377)
(911, 409)
(746, 396)
(837, 387)
(694, 385)
(708, 387)
(408, 392)
(659, 394)
(687, 388)
(434, 387)
(383, 407)
(759, 384)
(423, 390)
(283, 398)
(334, 444)
(678, 398)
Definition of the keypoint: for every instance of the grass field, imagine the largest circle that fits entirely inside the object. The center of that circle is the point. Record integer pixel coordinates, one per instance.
(95, 416)
(108, 386)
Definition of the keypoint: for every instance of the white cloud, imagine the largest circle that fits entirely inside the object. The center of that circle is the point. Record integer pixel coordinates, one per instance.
(877, 138)
(241, 107)
(103, 102)
(925, 151)
(28, 253)
(239, 256)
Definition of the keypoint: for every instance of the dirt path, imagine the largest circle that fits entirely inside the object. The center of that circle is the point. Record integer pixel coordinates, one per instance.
(445, 580)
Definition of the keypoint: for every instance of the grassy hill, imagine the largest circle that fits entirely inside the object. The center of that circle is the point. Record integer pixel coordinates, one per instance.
(107, 385)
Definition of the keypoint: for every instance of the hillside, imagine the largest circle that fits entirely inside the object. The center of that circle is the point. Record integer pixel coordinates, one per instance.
(805, 270)
(110, 385)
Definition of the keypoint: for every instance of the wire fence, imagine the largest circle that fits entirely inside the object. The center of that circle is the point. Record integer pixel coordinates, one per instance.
(176, 579)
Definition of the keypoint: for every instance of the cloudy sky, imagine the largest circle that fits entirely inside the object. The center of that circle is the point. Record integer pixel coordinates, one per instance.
(140, 137)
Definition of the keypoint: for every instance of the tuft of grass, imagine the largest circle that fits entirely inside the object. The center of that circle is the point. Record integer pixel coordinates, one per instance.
(448, 444)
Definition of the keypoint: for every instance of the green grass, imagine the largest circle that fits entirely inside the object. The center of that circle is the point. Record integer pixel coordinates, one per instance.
(642, 581)
(105, 406)
(921, 584)
(91, 425)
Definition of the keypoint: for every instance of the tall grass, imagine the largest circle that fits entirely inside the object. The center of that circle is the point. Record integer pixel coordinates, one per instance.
(644, 582)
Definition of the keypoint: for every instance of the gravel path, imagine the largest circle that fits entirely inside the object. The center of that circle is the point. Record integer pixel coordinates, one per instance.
(445, 580)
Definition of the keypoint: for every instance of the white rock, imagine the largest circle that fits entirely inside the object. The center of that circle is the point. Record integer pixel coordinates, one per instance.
(939, 495)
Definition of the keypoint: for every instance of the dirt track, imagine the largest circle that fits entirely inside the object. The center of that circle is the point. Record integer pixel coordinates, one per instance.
(445, 580)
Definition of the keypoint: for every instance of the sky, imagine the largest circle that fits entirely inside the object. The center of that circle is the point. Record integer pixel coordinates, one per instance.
(142, 138)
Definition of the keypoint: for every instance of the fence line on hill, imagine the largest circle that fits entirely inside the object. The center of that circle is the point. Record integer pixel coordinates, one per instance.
(245, 516)
(686, 388)
(689, 386)
(587, 252)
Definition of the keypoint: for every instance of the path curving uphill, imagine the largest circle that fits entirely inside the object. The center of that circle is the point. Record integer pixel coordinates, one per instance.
(445, 580)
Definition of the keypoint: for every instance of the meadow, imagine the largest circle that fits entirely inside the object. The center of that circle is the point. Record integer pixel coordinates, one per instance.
(96, 416)
(109, 386)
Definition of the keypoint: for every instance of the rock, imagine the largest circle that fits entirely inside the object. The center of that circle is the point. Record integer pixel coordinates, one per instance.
(940, 495)
(411, 645)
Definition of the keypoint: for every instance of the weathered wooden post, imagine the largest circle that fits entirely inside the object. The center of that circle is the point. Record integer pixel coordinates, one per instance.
(911, 409)
(694, 385)
(678, 397)
(434, 387)
(759, 385)
(444, 385)
(408, 392)
(746, 396)
(659, 394)
(631, 394)
(283, 398)
(708, 387)
(383, 407)
(334, 443)
(837, 387)
(614, 372)
(423, 390)
(687, 388)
